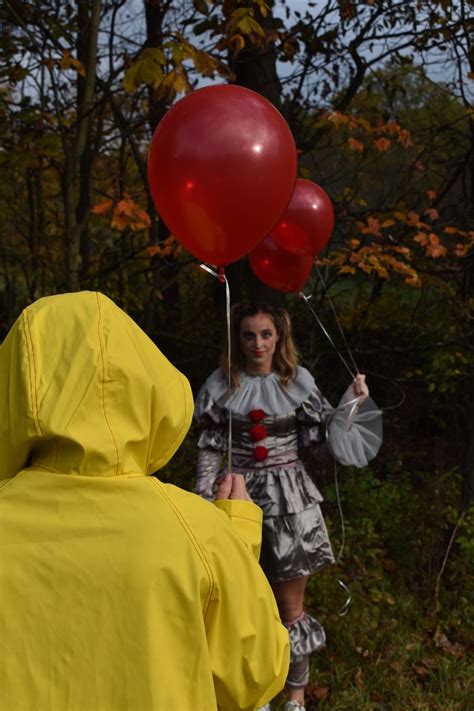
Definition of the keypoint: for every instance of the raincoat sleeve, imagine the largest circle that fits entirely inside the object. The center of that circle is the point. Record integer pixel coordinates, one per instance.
(351, 432)
(212, 442)
(248, 645)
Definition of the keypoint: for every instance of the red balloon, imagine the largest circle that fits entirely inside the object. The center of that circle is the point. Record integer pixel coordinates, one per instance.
(222, 169)
(308, 221)
(282, 270)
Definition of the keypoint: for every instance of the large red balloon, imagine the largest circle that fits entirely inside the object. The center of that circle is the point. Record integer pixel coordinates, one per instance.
(278, 268)
(308, 221)
(222, 169)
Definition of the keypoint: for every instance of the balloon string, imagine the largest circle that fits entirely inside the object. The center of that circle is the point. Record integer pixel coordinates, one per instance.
(306, 300)
(222, 278)
(331, 304)
(345, 607)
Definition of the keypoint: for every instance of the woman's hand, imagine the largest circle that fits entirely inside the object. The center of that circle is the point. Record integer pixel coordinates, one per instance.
(232, 486)
(359, 388)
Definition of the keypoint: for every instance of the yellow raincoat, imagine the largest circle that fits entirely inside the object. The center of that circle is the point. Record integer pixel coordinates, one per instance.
(117, 592)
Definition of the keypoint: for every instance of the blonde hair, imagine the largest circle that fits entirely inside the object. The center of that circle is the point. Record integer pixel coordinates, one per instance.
(286, 356)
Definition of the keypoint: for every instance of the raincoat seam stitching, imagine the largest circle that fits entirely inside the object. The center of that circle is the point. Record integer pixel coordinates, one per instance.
(244, 518)
(195, 544)
(31, 350)
(99, 322)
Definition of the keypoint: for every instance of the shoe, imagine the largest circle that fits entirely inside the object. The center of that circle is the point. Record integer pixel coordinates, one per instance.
(293, 706)
(267, 707)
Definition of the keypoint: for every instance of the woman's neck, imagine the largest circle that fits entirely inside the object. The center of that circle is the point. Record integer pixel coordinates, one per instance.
(256, 370)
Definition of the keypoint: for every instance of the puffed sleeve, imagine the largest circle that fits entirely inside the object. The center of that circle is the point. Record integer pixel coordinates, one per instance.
(352, 432)
(212, 442)
(313, 415)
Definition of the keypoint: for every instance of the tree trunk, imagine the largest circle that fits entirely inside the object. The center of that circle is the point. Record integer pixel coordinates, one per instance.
(76, 150)
(254, 68)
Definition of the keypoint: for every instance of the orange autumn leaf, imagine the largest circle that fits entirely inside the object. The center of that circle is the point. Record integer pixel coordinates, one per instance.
(431, 194)
(142, 216)
(337, 118)
(461, 250)
(372, 227)
(387, 223)
(153, 249)
(404, 138)
(355, 145)
(128, 214)
(102, 207)
(421, 238)
(120, 221)
(435, 249)
(432, 213)
(451, 230)
(126, 206)
(413, 218)
(382, 144)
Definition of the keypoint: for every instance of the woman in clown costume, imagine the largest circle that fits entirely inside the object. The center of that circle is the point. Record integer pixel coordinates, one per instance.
(276, 410)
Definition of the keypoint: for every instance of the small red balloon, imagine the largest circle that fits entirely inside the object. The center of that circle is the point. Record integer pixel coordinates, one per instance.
(307, 222)
(222, 169)
(279, 269)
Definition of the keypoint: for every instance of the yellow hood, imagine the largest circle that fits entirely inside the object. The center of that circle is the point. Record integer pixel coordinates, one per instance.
(66, 367)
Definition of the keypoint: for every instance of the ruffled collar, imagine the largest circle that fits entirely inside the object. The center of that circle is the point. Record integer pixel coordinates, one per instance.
(263, 392)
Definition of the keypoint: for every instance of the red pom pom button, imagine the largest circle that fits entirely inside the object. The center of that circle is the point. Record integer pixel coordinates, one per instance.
(257, 415)
(257, 432)
(260, 453)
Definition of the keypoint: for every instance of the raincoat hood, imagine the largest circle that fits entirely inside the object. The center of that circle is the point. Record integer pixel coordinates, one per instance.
(66, 367)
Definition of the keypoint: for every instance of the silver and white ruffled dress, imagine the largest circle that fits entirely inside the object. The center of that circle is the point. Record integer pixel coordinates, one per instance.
(270, 425)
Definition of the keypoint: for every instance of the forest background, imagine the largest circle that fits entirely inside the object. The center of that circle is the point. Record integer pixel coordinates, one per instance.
(378, 97)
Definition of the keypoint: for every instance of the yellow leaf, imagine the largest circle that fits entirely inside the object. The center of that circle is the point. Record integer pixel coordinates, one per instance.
(204, 63)
(347, 270)
(150, 73)
(131, 80)
(68, 62)
(387, 223)
(181, 82)
(145, 70)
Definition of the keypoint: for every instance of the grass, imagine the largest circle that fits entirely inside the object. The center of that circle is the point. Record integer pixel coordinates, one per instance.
(401, 646)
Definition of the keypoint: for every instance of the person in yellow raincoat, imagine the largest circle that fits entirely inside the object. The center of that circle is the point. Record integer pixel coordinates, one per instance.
(118, 592)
